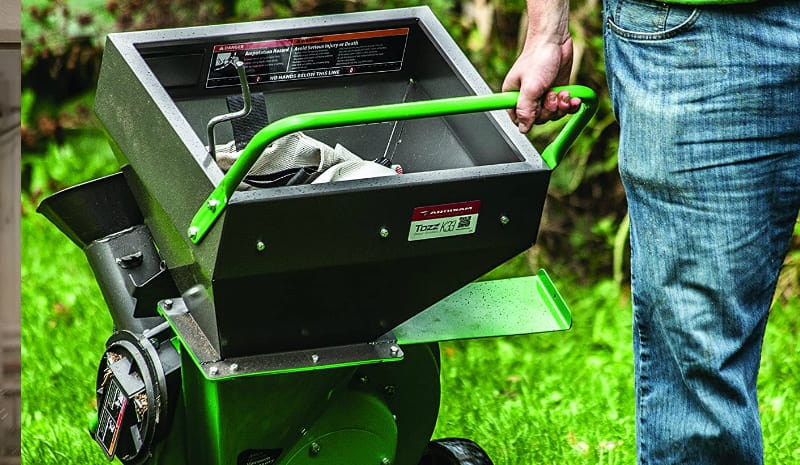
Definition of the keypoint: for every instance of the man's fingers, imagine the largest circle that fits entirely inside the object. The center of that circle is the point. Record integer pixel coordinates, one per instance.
(556, 106)
(563, 101)
(574, 104)
(551, 101)
(567, 105)
(512, 114)
(526, 113)
(550, 107)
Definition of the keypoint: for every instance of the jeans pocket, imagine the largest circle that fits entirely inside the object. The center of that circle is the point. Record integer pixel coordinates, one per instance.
(649, 20)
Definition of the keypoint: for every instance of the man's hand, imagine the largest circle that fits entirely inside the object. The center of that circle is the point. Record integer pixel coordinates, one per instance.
(545, 62)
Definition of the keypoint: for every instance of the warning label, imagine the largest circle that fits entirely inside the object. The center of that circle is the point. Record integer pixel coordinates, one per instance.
(111, 415)
(309, 57)
(452, 219)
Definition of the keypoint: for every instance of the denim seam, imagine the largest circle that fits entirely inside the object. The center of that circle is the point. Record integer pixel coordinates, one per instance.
(644, 391)
(668, 34)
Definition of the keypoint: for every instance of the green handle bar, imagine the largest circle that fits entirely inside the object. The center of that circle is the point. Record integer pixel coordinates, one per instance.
(208, 213)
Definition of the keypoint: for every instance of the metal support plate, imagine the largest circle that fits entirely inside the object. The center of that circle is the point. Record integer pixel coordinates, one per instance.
(503, 307)
(214, 368)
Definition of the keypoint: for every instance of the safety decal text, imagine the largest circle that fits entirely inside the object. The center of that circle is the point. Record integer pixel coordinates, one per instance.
(452, 219)
(309, 57)
(111, 414)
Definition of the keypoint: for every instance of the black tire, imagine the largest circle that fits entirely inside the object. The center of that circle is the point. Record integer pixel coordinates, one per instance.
(454, 451)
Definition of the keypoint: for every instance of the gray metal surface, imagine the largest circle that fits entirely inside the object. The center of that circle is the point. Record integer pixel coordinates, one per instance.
(214, 367)
(154, 102)
(505, 307)
(158, 134)
(93, 210)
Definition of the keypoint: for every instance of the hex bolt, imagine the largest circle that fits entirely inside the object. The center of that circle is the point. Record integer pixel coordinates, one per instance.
(314, 358)
(213, 204)
(389, 389)
(394, 350)
(260, 246)
(168, 304)
(504, 220)
(385, 461)
(213, 371)
(314, 448)
(234, 367)
(193, 232)
(384, 232)
(194, 292)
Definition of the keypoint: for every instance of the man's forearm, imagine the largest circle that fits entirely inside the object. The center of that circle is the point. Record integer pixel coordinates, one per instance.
(545, 61)
(548, 21)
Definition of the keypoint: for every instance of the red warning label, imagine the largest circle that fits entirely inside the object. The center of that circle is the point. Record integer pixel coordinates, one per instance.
(309, 57)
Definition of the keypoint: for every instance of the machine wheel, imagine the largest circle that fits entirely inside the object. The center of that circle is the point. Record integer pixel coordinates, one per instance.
(454, 451)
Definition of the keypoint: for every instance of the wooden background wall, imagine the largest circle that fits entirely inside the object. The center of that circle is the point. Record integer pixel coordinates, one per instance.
(9, 232)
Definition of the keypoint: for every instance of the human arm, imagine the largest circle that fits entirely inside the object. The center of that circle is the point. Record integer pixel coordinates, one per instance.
(545, 61)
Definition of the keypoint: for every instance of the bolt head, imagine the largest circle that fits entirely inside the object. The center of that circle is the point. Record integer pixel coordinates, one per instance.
(213, 204)
(385, 461)
(168, 304)
(195, 292)
(213, 371)
(193, 232)
(384, 232)
(234, 366)
(260, 246)
(314, 448)
(505, 220)
(314, 358)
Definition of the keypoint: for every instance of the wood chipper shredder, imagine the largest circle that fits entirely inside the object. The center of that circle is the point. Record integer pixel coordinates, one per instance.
(262, 316)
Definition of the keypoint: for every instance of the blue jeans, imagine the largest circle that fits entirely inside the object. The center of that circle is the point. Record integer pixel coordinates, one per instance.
(708, 101)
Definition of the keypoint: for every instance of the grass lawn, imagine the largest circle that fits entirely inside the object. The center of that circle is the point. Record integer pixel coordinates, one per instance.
(559, 398)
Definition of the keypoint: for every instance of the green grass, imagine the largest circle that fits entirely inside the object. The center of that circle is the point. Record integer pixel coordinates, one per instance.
(559, 398)
(547, 398)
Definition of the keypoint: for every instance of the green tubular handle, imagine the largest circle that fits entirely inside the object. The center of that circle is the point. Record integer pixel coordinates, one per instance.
(557, 149)
(218, 199)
